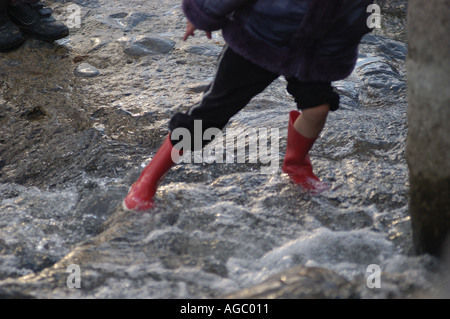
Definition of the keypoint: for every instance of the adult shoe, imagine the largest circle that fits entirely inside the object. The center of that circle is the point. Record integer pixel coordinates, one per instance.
(36, 19)
(10, 36)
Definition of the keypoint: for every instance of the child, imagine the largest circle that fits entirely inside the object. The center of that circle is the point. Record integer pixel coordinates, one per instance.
(309, 42)
(28, 16)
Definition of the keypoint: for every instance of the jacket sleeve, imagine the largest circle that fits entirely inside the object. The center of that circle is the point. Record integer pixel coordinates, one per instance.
(210, 15)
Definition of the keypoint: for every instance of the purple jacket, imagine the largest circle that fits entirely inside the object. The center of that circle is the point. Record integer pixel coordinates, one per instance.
(312, 40)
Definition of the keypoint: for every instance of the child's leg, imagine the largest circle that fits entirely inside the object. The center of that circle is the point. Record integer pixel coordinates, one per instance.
(236, 82)
(140, 195)
(315, 100)
(312, 121)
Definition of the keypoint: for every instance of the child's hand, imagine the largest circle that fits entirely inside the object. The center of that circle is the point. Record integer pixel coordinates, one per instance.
(190, 29)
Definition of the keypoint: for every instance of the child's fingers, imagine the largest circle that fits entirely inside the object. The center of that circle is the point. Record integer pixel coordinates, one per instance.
(187, 35)
(190, 28)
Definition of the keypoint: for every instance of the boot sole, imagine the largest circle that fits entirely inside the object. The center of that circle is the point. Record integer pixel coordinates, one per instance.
(44, 38)
(126, 209)
(13, 46)
(137, 208)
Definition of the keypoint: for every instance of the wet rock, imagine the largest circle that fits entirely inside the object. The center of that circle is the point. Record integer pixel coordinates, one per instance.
(208, 50)
(88, 3)
(393, 22)
(86, 70)
(300, 283)
(13, 294)
(198, 88)
(97, 43)
(34, 113)
(382, 70)
(150, 46)
(135, 18)
(125, 21)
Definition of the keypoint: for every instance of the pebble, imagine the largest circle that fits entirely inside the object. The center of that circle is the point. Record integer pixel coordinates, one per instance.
(207, 49)
(126, 21)
(150, 46)
(135, 18)
(86, 70)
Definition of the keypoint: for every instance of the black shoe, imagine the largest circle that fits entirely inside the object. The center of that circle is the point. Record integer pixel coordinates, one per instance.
(36, 19)
(10, 36)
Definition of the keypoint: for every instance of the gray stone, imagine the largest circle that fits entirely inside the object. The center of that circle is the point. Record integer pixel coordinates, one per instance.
(86, 70)
(428, 143)
(150, 46)
(206, 49)
(135, 18)
(300, 282)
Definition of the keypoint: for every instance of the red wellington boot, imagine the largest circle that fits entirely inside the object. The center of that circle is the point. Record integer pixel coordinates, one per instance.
(140, 196)
(296, 161)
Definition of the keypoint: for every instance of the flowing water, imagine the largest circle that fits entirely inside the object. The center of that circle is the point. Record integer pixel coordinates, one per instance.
(79, 120)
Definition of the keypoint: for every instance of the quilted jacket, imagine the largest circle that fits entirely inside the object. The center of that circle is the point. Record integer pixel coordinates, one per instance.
(312, 40)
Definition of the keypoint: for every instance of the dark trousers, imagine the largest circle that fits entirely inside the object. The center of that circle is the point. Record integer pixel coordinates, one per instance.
(236, 82)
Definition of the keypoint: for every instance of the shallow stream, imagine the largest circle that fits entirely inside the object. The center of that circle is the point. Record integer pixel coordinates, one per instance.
(80, 119)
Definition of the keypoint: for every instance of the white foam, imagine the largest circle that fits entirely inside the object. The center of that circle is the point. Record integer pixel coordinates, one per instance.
(347, 252)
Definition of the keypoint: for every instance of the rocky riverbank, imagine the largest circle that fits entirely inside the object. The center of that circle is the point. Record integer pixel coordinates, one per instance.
(80, 118)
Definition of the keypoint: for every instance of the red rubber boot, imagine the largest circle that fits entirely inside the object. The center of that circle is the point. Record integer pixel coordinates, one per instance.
(296, 161)
(140, 196)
